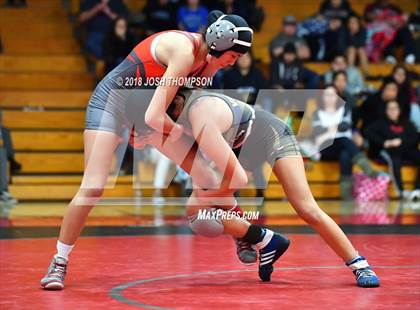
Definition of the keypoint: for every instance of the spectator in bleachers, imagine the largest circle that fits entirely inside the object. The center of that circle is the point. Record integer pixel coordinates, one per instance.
(245, 78)
(97, 16)
(339, 81)
(160, 15)
(373, 108)
(331, 9)
(192, 17)
(289, 35)
(117, 44)
(288, 72)
(334, 39)
(406, 93)
(332, 130)
(355, 83)
(388, 29)
(395, 140)
(356, 43)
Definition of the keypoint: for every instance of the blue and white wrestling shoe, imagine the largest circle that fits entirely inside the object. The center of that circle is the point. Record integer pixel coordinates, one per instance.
(271, 248)
(365, 276)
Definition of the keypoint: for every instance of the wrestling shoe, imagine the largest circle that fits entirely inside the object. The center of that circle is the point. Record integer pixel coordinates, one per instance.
(270, 253)
(245, 251)
(54, 279)
(365, 276)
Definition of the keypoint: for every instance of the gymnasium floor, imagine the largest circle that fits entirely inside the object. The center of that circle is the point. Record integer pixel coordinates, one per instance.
(145, 257)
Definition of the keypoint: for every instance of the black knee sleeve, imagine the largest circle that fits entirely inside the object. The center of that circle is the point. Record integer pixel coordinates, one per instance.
(254, 234)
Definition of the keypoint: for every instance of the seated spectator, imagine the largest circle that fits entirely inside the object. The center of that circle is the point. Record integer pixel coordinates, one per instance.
(288, 72)
(331, 9)
(97, 16)
(245, 78)
(340, 84)
(355, 83)
(332, 130)
(388, 29)
(160, 15)
(289, 35)
(334, 39)
(373, 108)
(339, 81)
(406, 93)
(117, 44)
(396, 141)
(192, 17)
(356, 43)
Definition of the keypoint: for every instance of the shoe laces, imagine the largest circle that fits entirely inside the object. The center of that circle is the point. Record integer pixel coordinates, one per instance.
(243, 245)
(58, 270)
(365, 272)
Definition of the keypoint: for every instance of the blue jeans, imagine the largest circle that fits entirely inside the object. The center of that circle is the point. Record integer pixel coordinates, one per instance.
(94, 42)
(343, 150)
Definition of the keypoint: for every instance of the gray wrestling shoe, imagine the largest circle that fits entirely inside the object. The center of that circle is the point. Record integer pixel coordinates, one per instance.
(54, 279)
(246, 253)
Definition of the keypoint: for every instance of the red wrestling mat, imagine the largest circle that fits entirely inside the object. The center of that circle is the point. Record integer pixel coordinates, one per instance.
(187, 272)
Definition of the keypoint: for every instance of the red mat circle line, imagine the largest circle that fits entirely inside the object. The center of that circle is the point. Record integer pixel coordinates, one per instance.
(116, 292)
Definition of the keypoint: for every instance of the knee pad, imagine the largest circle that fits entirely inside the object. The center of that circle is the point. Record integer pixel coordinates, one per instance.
(209, 226)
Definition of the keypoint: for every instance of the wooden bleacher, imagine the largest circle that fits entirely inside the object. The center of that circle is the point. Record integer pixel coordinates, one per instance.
(44, 89)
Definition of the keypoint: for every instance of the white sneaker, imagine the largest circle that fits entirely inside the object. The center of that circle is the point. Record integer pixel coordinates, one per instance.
(410, 59)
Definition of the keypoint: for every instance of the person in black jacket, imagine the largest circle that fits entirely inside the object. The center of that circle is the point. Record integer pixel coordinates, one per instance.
(406, 92)
(373, 108)
(356, 43)
(118, 44)
(245, 78)
(396, 140)
(289, 73)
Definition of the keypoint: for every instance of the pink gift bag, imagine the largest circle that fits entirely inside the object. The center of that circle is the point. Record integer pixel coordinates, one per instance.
(370, 189)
